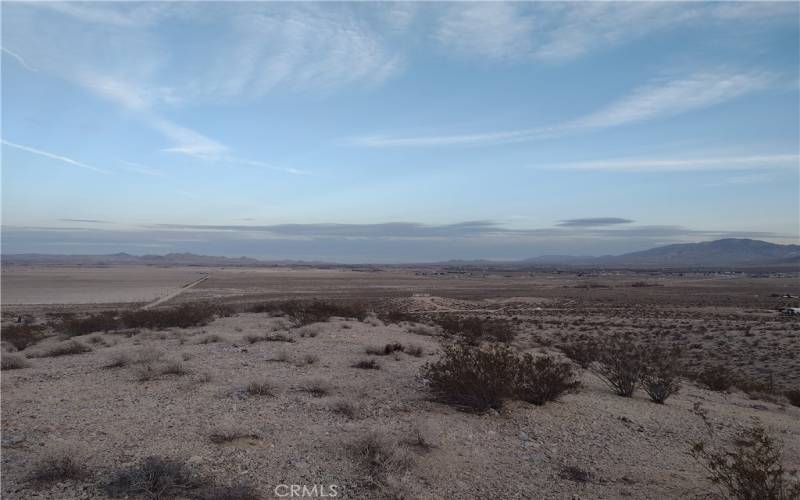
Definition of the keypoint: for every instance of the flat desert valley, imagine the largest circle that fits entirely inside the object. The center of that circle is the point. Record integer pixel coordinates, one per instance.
(257, 401)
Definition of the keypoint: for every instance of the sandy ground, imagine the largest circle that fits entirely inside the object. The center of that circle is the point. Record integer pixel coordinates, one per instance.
(632, 448)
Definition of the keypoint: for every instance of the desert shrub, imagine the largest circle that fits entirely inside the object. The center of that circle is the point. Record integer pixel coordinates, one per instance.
(260, 388)
(425, 330)
(11, 361)
(793, 395)
(477, 378)
(252, 338)
(751, 470)
(21, 335)
(584, 353)
(64, 348)
(173, 368)
(474, 330)
(414, 350)
(118, 359)
(154, 478)
(575, 474)
(660, 378)
(419, 437)
(386, 349)
(146, 372)
(228, 431)
(544, 378)
(367, 364)
(621, 362)
(307, 312)
(395, 315)
(316, 387)
(309, 359)
(57, 465)
(715, 378)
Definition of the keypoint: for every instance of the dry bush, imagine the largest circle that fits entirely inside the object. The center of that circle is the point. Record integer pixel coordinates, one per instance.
(715, 378)
(57, 464)
(146, 372)
(751, 470)
(21, 335)
(278, 337)
(386, 349)
(621, 362)
(584, 353)
(260, 388)
(543, 378)
(395, 315)
(64, 348)
(424, 330)
(182, 316)
(173, 367)
(252, 338)
(118, 359)
(472, 377)
(307, 312)
(380, 456)
(414, 350)
(474, 330)
(310, 331)
(367, 364)
(575, 474)
(105, 321)
(154, 478)
(308, 359)
(419, 437)
(148, 354)
(11, 361)
(317, 387)
(660, 378)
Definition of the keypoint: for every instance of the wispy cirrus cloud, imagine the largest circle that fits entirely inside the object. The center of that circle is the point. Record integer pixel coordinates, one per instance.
(54, 156)
(19, 59)
(594, 222)
(658, 99)
(784, 161)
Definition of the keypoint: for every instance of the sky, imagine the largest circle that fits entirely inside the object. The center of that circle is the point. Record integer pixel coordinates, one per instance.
(397, 132)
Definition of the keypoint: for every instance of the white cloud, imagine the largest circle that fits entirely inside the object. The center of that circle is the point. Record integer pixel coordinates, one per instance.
(496, 30)
(54, 156)
(655, 100)
(684, 164)
(19, 59)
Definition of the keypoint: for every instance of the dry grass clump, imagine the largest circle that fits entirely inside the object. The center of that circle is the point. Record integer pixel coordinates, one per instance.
(660, 378)
(425, 330)
(21, 335)
(347, 408)
(227, 431)
(57, 464)
(173, 367)
(211, 338)
(367, 364)
(11, 361)
(278, 337)
(260, 387)
(380, 456)
(414, 350)
(715, 378)
(751, 470)
(317, 387)
(252, 338)
(155, 478)
(64, 348)
(584, 353)
(543, 378)
(308, 359)
(474, 330)
(575, 474)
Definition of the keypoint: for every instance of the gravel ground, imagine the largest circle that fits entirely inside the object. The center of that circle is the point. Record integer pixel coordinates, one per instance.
(629, 448)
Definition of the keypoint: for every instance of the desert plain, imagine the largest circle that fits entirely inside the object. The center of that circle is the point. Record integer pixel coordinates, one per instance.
(252, 403)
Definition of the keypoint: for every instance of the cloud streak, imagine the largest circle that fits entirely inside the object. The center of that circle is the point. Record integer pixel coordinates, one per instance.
(54, 156)
(658, 99)
(593, 222)
(786, 161)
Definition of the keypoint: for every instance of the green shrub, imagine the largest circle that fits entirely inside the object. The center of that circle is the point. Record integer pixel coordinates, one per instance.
(660, 378)
(621, 363)
(543, 378)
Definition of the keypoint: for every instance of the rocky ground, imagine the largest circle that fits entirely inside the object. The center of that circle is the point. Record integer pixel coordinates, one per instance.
(591, 444)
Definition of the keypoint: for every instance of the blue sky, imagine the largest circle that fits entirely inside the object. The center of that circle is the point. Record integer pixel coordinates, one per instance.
(397, 131)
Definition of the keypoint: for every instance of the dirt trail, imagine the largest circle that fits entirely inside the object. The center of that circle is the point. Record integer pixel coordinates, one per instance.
(175, 293)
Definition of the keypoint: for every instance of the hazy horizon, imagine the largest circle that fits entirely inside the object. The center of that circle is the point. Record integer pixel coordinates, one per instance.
(397, 132)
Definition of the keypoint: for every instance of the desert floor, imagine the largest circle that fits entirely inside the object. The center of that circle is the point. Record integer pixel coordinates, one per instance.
(623, 447)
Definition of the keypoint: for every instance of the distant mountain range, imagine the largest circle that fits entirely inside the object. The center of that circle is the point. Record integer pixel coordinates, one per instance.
(727, 253)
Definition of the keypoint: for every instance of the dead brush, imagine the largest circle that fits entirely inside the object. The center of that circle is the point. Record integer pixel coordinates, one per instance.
(380, 456)
(228, 431)
(155, 478)
(346, 407)
(317, 387)
(64, 348)
(12, 361)
(260, 388)
(58, 464)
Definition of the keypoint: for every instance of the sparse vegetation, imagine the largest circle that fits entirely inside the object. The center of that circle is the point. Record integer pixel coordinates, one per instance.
(386, 349)
(210, 338)
(260, 388)
(380, 456)
(473, 330)
(715, 378)
(57, 464)
(660, 377)
(584, 353)
(307, 312)
(346, 407)
(21, 335)
(751, 470)
(228, 431)
(64, 348)
(317, 387)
